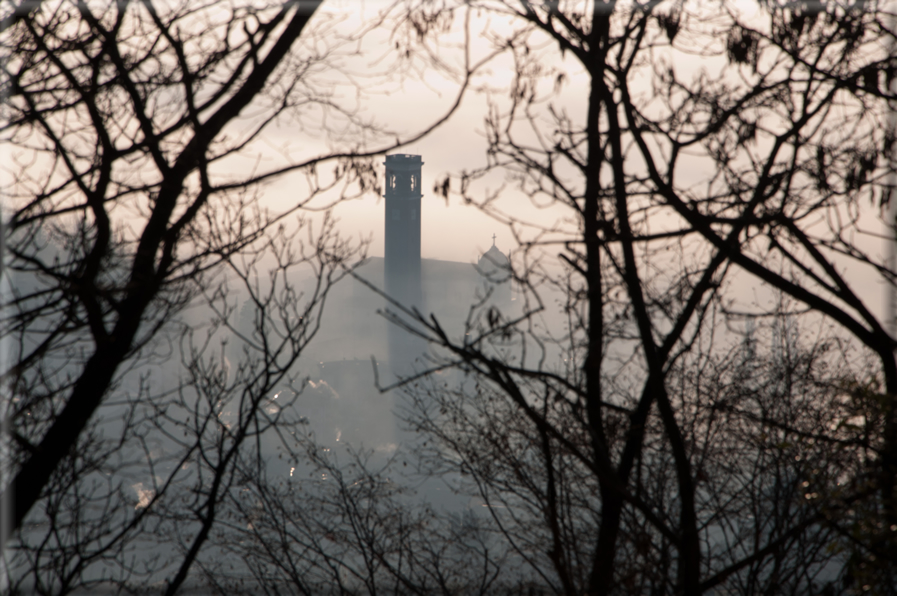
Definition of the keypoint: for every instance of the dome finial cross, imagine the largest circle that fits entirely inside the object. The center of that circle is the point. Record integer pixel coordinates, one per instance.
(493, 239)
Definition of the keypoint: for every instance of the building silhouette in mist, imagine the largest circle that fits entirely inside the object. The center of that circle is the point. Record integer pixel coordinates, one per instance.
(352, 330)
(402, 263)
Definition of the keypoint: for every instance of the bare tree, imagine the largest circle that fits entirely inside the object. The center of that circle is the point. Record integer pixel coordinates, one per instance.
(644, 439)
(141, 507)
(352, 525)
(626, 449)
(135, 134)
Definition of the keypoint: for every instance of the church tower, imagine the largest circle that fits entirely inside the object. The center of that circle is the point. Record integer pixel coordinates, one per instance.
(402, 255)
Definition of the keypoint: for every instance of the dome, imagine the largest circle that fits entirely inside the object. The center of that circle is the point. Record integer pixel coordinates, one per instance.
(493, 258)
(494, 265)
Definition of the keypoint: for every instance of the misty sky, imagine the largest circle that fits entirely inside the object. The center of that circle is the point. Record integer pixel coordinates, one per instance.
(411, 102)
(407, 95)
(452, 231)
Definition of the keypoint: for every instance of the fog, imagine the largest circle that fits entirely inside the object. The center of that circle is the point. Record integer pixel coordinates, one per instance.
(409, 328)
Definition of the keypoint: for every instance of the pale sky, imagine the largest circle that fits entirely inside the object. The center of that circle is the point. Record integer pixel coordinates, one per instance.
(406, 103)
(452, 231)
(459, 232)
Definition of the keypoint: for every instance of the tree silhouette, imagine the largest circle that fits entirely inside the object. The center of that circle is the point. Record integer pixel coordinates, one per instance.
(627, 449)
(694, 391)
(135, 132)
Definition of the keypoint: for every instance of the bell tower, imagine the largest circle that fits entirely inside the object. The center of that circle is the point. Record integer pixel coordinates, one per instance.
(402, 275)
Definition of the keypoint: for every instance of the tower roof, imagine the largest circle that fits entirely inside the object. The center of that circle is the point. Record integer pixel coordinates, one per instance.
(403, 161)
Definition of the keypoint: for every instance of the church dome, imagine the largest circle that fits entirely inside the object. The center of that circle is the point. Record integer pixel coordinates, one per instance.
(494, 265)
(493, 258)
